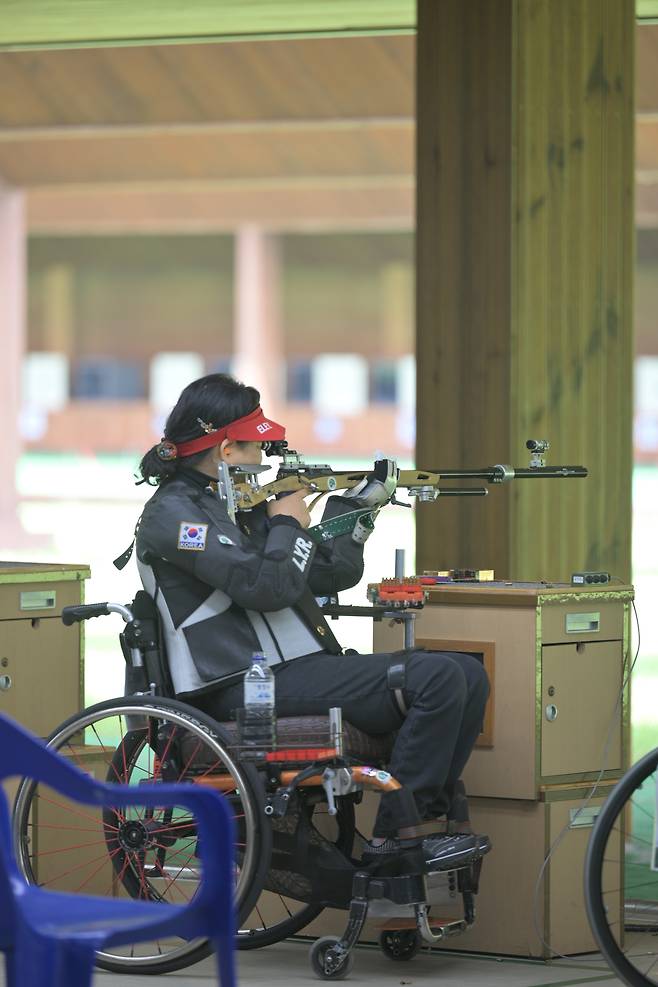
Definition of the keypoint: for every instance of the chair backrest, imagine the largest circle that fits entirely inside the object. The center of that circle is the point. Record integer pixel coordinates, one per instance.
(25, 755)
(28, 756)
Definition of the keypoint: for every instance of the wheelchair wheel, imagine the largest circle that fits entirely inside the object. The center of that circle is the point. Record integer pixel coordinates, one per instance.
(277, 916)
(140, 853)
(621, 876)
(317, 956)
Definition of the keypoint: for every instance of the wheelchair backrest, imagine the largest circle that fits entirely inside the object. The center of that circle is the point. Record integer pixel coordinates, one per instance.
(144, 633)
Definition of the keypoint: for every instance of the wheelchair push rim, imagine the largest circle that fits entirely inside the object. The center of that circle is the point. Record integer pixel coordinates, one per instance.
(68, 847)
(621, 886)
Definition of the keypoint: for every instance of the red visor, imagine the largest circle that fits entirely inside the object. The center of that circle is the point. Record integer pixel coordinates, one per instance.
(254, 427)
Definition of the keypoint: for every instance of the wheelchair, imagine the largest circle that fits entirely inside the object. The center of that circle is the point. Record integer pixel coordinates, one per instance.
(298, 846)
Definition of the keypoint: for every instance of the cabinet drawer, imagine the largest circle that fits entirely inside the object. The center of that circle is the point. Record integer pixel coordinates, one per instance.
(579, 691)
(40, 669)
(38, 599)
(582, 620)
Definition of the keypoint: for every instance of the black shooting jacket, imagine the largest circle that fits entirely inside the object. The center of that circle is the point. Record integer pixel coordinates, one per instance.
(226, 590)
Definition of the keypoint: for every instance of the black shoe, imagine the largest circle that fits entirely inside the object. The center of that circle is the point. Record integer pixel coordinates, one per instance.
(453, 851)
(392, 846)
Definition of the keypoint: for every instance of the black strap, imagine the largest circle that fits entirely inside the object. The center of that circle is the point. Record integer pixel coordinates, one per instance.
(308, 609)
(122, 561)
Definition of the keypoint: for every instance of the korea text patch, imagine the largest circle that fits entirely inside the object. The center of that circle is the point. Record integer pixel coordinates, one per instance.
(192, 537)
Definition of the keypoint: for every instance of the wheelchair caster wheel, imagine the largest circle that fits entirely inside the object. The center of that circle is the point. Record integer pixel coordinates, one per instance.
(400, 944)
(318, 956)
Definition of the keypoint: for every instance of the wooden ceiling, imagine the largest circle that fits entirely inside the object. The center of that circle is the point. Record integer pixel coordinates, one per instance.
(249, 126)
(321, 79)
(305, 133)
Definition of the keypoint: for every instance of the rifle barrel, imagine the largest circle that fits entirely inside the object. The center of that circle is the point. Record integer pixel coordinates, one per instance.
(497, 474)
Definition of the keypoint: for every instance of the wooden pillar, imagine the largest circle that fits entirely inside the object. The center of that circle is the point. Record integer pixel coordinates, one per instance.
(59, 309)
(524, 277)
(12, 334)
(257, 340)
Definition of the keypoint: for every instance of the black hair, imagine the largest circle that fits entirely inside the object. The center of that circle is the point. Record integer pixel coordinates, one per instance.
(217, 399)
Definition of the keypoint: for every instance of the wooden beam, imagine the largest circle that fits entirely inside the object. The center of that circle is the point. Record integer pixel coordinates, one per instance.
(284, 152)
(109, 131)
(353, 204)
(63, 23)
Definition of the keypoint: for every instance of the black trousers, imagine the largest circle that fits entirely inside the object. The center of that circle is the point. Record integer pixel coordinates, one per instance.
(445, 693)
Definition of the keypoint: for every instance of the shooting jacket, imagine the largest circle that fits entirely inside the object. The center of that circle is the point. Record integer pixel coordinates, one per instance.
(226, 590)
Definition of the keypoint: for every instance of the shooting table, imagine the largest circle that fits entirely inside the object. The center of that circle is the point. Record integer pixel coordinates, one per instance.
(557, 657)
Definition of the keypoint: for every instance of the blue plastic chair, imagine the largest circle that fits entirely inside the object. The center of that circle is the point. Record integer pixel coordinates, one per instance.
(49, 938)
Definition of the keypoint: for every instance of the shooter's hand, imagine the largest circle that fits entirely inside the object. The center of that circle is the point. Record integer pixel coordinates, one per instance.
(292, 505)
(378, 486)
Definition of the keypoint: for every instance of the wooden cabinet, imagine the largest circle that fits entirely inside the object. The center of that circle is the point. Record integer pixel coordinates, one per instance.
(41, 664)
(512, 917)
(557, 658)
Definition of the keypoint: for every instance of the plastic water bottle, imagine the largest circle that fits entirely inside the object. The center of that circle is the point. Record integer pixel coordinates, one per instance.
(258, 730)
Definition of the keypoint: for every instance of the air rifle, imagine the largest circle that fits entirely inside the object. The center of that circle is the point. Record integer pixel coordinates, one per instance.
(240, 488)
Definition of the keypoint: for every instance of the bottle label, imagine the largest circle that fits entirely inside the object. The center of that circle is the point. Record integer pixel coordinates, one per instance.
(259, 693)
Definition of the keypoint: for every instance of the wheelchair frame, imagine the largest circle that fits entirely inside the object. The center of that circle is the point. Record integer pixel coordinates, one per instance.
(266, 791)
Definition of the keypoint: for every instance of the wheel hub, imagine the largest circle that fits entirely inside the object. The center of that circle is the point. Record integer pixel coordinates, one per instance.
(133, 835)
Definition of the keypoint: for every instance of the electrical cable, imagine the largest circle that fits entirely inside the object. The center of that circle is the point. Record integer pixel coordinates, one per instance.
(565, 829)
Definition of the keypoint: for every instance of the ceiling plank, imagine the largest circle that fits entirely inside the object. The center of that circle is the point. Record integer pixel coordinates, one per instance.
(59, 23)
(316, 79)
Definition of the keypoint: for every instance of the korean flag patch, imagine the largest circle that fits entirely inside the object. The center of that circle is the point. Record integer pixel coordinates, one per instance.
(192, 537)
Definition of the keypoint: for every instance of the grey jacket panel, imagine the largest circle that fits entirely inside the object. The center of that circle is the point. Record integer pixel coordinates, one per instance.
(233, 589)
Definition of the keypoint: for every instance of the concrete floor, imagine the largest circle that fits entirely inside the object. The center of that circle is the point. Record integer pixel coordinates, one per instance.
(286, 964)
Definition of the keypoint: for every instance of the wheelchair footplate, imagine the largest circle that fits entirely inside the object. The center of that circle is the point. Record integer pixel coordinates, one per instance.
(403, 903)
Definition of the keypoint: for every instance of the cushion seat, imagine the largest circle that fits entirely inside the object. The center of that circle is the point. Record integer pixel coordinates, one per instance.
(314, 731)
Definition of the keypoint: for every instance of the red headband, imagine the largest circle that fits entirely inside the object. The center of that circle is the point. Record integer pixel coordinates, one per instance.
(254, 427)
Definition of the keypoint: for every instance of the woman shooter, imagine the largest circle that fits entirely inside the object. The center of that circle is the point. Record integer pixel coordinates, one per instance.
(226, 589)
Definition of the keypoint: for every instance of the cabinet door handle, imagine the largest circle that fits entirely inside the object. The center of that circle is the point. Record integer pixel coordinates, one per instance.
(5, 682)
(582, 623)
